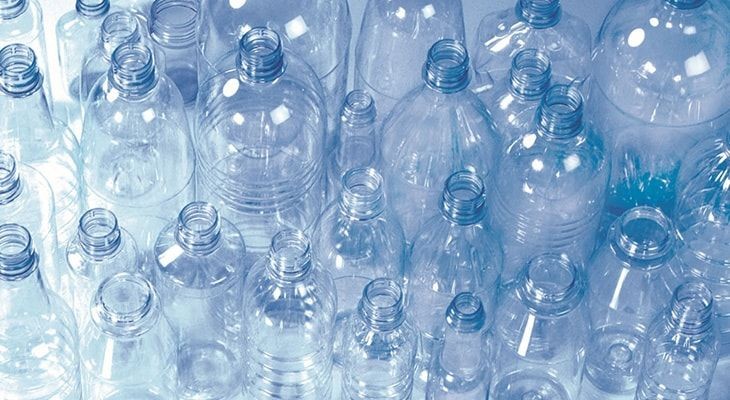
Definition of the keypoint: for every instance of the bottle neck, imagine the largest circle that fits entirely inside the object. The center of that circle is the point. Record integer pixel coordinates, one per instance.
(686, 4)
(358, 111)
(644, 234)
(99, 234)
(10, 9)
(290, 257)
(118, 28)
(447, 67)
(560, 115)
(133, 72)
(173, 23)
(381, 305)
(550, 285)
(691, 309)
(20, 75)
(18, 259)
(530, 74)
(125, 305)
(92, 8)
(539, 14)
(198, 229)
(260, 56)
(10, 184)
(362, 196)
(463, 201)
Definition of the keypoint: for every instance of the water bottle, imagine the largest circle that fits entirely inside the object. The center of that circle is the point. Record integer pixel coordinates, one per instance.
(658, 86)
(683, 348)
(100, 249)
(128, 349)
(551, 185)
(200, 270)
(393, 35)
(76, 35)
(379, 346)
(532, 24)
(356, 141)
(630, 282)
(137, 152)
(39, 338)
(455, 252)
(289, 306)
(260, 140)
(423, 143)
(461, 368)
(541, 330)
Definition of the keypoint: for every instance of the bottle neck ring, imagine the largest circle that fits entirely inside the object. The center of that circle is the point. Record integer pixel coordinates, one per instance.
(10, 183)
(381, 305)
(358, 110)
(447, 67)
(550, 284)
(10, 9)
(466, 313)
(118, 28)
(260, 56)
(290, 256)
(99, 234)
(18, 258)
(530, 74)
(133, 72)
(173, 23)
(644, 233)
(686, 4)
(198, 228)
(20, 75)
(560, 115)
(125, 305)
(539, 14)
(691, 309)
(362, 196)
(92, 8)
(463, 201)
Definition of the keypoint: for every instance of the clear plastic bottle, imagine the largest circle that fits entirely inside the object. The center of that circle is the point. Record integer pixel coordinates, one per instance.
(423, 142)
(100, 249)
(380, 346)
(551, 185)
(260, 140)
(461, 368)
(289, 306)
(137, 151)
(536, 24)
(454, 252)
(394, 34)
(541, 332)
(659, 85)
(128, 349)
(630, 282)
(683, 348)
(200, 269)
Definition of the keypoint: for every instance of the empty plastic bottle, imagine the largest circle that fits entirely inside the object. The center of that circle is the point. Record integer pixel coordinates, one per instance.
(423, 142)
(461, 368)
(551, 185)
(380, 346)
(200, 270)
(260, 140)
(659, 84)
(289, 306)
(683, 349)
(137, 151)
(394, 34)
(532, 24)
(630, 282)
(541, 332)
(100, 249)
(455, 252)
(38, 336)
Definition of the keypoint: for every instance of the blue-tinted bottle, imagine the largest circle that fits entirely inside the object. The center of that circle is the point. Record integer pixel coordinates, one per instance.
(423, 143)
(461, 368)
(200, 270)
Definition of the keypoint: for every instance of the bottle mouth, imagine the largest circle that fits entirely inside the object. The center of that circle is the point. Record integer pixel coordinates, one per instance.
(551, 285)
(290, 255)
(133, 72)
(9, 179)
(260, 56)
(381, 305)
(99, 233)
(92, 8)
(644, 233)
(560, 115)
(692, 308)
(125, 305)
(530, 74)
(358, 109)
(686, 4)
(463, 200)
(10, 9)
(362, 196)
(118, 28)
(198, 228)
(19, 72)
(173, 23)
(18, 258)
(466, 313)
(447, 67)
(539, 14)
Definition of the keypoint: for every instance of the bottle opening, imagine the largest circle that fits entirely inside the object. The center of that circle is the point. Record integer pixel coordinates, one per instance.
(9, 179)
(645, 233)
(173, 22)
(17, 256)
(359, 109)
(539, 14)
(362, 195)
(686, 4)
(19, 73)
(551, 283)
(290, 255)
(560, 114)
(99, 234)
(530, 74)
(466, 313)
(447, 67)
(118, 28)
(92, 8)
(124, 305)
(133, 71)
(692, 307)
(381, 305)
(198, 228)
(463, 199)
(10, 9)
(261, 56)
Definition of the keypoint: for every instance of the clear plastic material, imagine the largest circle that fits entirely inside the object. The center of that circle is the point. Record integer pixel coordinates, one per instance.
(551, 185)
(289, 306)
(630, 281)
(128, 349)
(260, 140)
(659, 84)
(683, 349)
(455, 252)
(436, 129)
(394, 34)
(541, 332)
(461, 368)
(138, 156)
(532, 24)
(38, 335)
(379, 346)
(200, 269)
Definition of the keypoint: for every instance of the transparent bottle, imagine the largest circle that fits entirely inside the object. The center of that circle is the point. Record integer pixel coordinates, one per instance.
(659, 85)
(38, 335)
(138, 156)
(630, 282)
(461, 368)
(683, 348)
(29, 133)
(260, 141)
(128, 349)
(551, 185)
(454, 252)
(423, 142)
(200, 269)
(541, 332)
(356, 141)
(77, 33)
(100, 249)
(289, 306)
(532, 24)
(394, 34)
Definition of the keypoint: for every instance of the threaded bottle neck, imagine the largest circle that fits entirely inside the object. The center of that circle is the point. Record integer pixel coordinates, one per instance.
(530, 74)
(644, 234)
(686, 4)
(19, 72)
(463, 200)
(381, 305)
(125, 305)
(10, 9)
(550, 284)
(560, 115)
(466, 313)
(447, 67)
(539, 14)
(118, 28)
(362, 196)
(133, 72)
(173, 23)
(18, 258)
(691, 308)
(290, 256)
(92, 8)
(198, 228)
(99, 234)
(358, 110)
(10, 183)
(260, 56)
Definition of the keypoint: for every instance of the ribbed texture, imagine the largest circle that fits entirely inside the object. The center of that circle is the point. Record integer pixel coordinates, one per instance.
(362, 195)
(540, 14)
(133, 72)
(18, 258)
(644, 233)
(381, 305)
(10, 9)
(551, 284)
(173, 22)
(10, 183)
(125, 305)
(92, 8)
(358, 109)
(560, 115)
(463, 199)
(99, 234)
(447, 67)
(260, 56)
(198, 228)
(19, 72)
(686, 4)
(530, 74)
(290, 257)
(118, 28)
(466, 313)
